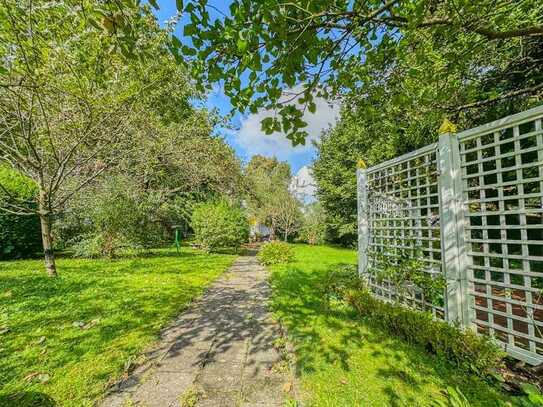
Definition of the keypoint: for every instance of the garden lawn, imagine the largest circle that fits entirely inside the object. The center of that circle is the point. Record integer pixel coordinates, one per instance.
(342, 360)
(62, 341)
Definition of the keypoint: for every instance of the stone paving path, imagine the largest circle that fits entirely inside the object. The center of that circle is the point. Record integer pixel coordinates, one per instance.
(219, 352)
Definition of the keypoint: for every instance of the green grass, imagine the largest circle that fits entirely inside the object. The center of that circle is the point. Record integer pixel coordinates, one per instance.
(127, 301)
(343, 361)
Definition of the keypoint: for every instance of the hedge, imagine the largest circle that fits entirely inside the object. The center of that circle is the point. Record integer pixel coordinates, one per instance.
(464, 348)
(19, 235)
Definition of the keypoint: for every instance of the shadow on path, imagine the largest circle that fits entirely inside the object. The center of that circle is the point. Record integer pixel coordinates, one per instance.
(220, 351)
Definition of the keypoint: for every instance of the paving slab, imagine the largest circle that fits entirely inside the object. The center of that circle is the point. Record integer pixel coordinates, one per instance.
(221, 348)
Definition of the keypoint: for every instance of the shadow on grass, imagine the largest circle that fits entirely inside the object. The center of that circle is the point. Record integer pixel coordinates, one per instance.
(95, 309)
(27, 399)
(330, 337)
(232, 313)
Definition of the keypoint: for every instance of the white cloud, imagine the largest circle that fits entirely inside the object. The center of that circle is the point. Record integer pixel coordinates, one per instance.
(254, 141)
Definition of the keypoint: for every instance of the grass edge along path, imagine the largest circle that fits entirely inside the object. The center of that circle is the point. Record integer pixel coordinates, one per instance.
(343, 361)
(64, 340)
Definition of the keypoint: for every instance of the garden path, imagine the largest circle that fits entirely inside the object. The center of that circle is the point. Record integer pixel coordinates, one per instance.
(218, 353)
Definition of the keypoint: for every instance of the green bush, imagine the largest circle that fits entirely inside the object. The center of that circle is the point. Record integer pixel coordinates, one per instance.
(19, 235)
(275, 253)
(94, 246)
(464, 348)
(111, 217)
(339, 279)
(219, 225)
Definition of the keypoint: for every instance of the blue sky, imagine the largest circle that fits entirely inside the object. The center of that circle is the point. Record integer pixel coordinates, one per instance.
(246, 137)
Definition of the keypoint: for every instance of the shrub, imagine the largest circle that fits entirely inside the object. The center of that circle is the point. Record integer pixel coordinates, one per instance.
(464, 348)
(94, 246)
(276, 253)
(113, 216)
(219, 225)
(339, 279)
(19, 235)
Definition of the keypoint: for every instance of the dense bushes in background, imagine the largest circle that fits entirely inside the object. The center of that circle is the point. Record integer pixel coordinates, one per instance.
(116, 215)
(19, 235)
(464, 348)
(219, 225)
(275, 253)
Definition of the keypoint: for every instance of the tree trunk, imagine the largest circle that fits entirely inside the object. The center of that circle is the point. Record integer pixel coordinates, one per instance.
(272, 231)
(286, 234)
(47, 240)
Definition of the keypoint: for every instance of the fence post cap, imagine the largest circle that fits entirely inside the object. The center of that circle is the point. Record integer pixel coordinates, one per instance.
(361, 164)
(447, 127)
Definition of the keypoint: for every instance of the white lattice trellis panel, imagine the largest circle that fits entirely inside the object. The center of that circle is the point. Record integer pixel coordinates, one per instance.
(403, 220)
(502, 177)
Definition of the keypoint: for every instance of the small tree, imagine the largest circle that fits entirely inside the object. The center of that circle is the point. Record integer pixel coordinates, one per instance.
(65, 105)
(313, 227)
(286, 213)
(267, 180)
(115, 214)
(220, 225)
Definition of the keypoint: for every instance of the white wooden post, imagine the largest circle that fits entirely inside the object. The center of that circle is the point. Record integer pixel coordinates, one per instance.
(363, 229)
(454, 258)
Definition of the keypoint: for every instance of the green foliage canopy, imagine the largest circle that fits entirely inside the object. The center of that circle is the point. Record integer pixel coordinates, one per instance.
(335, 48)
(72, 94)
(269, 199)
(112, 215)
(92, 89)
(335, 174)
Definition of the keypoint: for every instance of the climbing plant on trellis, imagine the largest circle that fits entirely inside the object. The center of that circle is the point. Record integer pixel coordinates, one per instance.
(467, 213)
(404, 219)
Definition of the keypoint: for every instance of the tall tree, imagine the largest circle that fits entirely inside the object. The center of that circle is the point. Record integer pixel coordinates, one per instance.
(285, 212)
(402, 112)
(313, 227)
(172, 168)
(71, 94)
(335, 174)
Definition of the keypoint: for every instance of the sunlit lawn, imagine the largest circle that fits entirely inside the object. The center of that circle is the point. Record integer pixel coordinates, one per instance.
(343, 361)
(63, 340)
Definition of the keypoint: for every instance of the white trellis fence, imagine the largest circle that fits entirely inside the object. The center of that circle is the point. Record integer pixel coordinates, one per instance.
(470, 208)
